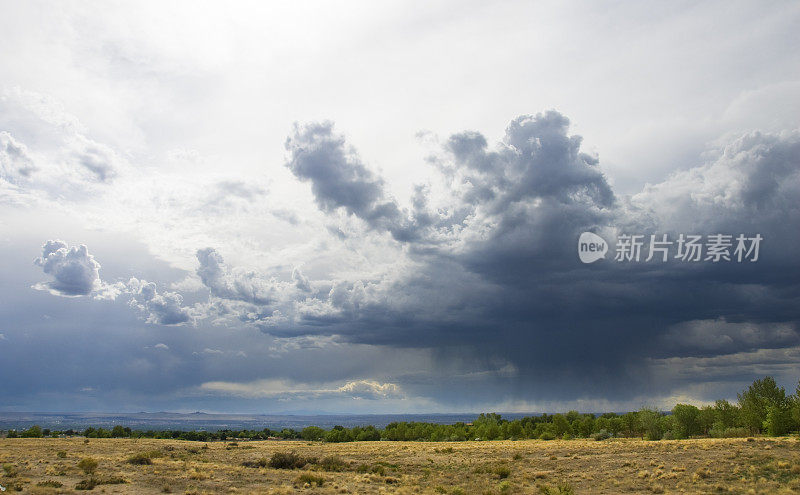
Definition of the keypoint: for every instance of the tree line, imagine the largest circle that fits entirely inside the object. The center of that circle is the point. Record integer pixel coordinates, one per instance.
(762, 408)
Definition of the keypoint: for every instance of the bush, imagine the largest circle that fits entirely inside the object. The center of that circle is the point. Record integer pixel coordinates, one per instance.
(260, 463)
(561, 489)
(50, 484)
(547, 436)
(140, 460)
(10, 470)
(602, 435)
(86, 484)
(286, 460)
(503, 472)
(88, 465)
(311, 479)
(719, 432)
(333, 463)
(61, 454)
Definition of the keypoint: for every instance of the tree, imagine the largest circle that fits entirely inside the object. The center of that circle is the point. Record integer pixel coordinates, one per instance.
(561, 425)
(727, 414)
(34, 431)
(686, 420)
(757, 399)
(629, 423)
(648, 424)
(778, 420)
(118, 432)
(706, 418)
(312, 433)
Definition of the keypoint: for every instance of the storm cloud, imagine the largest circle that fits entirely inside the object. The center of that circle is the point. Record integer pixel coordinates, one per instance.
(491, 272)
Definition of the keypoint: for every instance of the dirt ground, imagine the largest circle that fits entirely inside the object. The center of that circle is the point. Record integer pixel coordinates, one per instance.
(51, 465)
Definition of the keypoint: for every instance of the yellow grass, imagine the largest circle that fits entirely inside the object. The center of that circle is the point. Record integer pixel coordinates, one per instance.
(530, 466)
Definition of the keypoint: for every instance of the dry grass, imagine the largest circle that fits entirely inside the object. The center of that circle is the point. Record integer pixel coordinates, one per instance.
(530, 466)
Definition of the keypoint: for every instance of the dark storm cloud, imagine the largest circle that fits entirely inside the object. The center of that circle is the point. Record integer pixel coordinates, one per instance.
(514, 288)
(492, 277)
(340, 180)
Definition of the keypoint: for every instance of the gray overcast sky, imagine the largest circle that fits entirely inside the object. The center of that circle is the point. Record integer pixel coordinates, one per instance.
(375, 206)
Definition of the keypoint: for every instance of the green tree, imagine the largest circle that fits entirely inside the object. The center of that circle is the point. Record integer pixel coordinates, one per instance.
(706, 418)
(312, 433)
(648, 423)
(755, 402)
(561, 425)
(778, 420)
(686, 420)
(34, 431)
(726, 413)
(630, 425)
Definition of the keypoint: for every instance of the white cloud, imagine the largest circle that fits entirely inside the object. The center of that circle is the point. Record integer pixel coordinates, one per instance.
(165, 308)
(287, 390)
(74, 270)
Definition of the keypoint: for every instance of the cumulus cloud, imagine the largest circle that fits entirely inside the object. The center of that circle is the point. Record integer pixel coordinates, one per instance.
(75, 272)
(235, 284)
(339, 179)
(164, 309)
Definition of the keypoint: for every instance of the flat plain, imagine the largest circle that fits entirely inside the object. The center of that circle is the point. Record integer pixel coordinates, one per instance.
(54, 465)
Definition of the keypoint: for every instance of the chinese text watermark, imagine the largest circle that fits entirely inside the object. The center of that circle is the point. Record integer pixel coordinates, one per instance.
(688, 248)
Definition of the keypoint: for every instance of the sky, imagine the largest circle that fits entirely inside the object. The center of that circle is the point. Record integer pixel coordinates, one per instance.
(376, 207)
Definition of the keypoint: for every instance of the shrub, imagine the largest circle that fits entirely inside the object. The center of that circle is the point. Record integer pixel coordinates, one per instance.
(86, 484)
(286, 460)
(311, 479)
(50, 484)
(259, 463)
(61, 454)
(141, 459)
(88, 465)
(502, 472)
(561, 489)
(333, 463)
(602, 435)
(547, 436)
(114, 480)
(10, 470)
(720, 432)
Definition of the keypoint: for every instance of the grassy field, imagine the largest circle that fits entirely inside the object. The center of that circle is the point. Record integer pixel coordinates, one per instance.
(53, 465)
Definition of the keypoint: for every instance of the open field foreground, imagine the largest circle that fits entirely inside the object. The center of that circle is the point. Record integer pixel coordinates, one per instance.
(53, 465)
